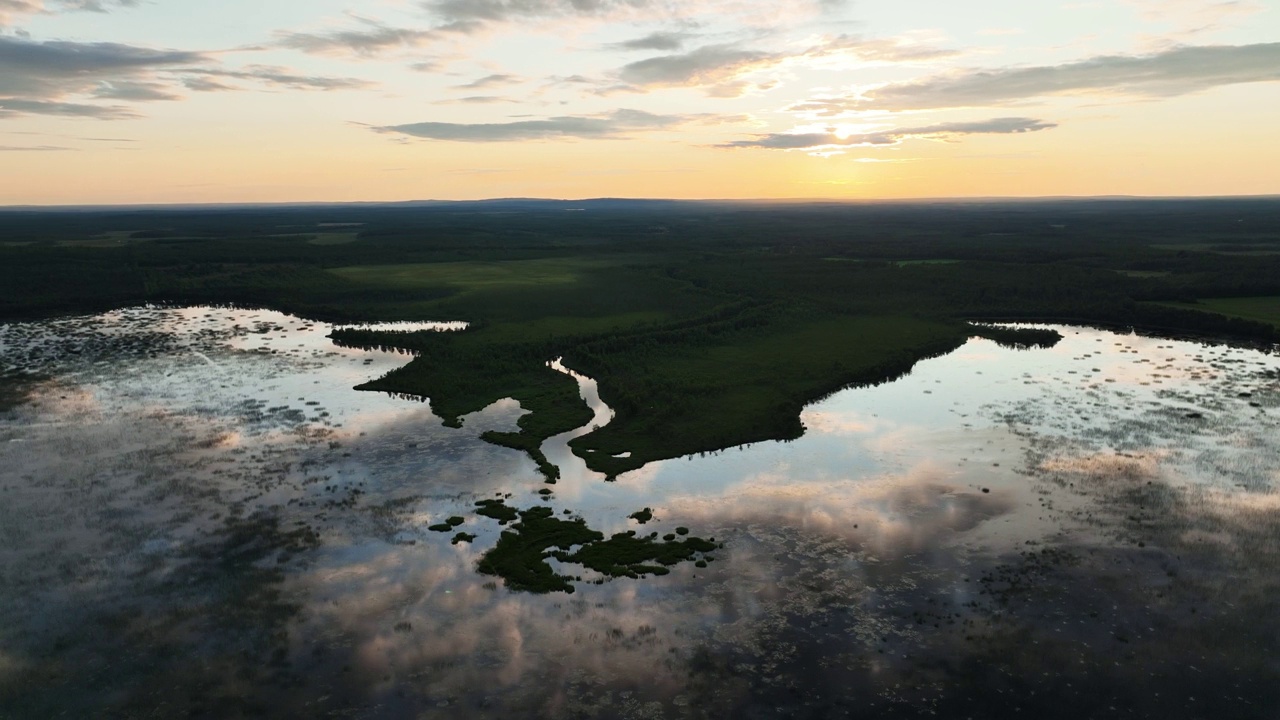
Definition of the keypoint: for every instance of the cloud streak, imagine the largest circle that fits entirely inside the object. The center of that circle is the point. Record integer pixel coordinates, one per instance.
(13, 107)
(12, 9)
(617, 124)
(35, 148)
(663, 41)
(722, 67)
(274, 76)
(372, 40)
(1180, 71)
(65, 78)
(42, 68)
(488, 81)
(707, 65)
(831, 139)
(475, 15)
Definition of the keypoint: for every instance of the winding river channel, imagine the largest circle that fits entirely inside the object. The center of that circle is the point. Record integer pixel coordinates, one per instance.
(200, 517)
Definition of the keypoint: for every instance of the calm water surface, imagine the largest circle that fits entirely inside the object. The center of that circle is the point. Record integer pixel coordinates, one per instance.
(198, 516)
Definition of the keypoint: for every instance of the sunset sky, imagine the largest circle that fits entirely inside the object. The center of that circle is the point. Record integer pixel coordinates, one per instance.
(164, 101)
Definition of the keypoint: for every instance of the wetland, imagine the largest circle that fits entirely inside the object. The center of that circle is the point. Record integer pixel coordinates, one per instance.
(545, 470)
(214, 523)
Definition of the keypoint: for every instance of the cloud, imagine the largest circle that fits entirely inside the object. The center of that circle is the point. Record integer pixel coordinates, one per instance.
(908, 48)
(718, 66)
(721, 67)
(468, 15)
(206, 84)
(64, 78)
(135, 91)
(491, 81)
(665, 41)
(11, 9)
(12, 107)
(616, 124)
(43, 78)
(40, 69)
(477, 100)
(94, 5)
(474, 15)
(376, 38)
(1174, 72)
(828, 139)
(37, 148)
(273, 76)
(1194, 16)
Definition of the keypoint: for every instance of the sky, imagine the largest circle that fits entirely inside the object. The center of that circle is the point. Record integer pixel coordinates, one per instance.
(179, 101)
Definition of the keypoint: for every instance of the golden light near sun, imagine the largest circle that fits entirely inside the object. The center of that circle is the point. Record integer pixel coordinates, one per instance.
(433, 89)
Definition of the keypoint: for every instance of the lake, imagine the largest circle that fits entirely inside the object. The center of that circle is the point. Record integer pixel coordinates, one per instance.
(199, 516)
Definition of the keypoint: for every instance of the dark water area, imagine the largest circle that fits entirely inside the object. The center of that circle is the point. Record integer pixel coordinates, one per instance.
(199, 517)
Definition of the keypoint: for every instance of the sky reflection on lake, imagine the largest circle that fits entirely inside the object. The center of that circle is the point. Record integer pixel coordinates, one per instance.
(1000, 530)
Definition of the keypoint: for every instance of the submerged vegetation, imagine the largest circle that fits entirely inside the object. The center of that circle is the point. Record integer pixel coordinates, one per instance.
(14, 388)
(707, 325)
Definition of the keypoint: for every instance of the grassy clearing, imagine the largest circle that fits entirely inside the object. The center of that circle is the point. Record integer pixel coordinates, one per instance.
(1238, 249)
(1144, 273)
(534, 300)
(568, 326)
(334, 238)
(909, 263)
(473, 276)
(1258, 309)
(109, 239)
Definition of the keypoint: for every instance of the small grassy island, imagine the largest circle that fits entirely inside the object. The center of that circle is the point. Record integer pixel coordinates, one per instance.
(520, 557)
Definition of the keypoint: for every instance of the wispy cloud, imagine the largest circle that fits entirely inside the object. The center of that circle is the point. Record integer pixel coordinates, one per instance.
(94, 5)
(709, 65)
(40, 69)
(65, 78)
(12, 9)
(721, 69)
(1188, 18)
(617, 124)
(35, 148)
(664, 40)
(832, 139)
(477, 100)
(474, 15)
(914, 47)
(12, 107)
(135, 91)
(276, 77)
(374, 38)
(61, 78)
(1171, 73)
(488, 81)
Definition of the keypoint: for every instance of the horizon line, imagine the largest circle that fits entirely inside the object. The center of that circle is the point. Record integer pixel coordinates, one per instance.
(743, 201)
